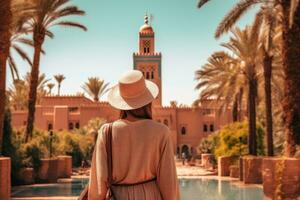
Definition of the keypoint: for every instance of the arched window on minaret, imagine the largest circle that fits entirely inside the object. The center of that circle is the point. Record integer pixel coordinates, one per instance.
(147, 75)
(146, 44)
(152, 75)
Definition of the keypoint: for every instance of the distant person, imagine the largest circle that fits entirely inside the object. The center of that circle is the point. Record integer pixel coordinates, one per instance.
(183, 157)
(142, 165)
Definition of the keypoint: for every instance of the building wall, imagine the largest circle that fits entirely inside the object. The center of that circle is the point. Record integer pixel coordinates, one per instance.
(69, 112)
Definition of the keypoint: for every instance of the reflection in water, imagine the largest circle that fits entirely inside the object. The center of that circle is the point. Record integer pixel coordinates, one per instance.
(50, 190)
(204, 189)
(220, 187)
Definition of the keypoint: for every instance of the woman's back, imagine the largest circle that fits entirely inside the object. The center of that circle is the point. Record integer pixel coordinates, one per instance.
(143, 164)
(137, 147)
(142, 150)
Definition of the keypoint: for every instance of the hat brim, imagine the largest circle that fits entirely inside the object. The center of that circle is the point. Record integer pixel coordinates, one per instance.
(116, 100)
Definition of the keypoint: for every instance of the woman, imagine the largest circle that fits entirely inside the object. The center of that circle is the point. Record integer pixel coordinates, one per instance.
(142, 151)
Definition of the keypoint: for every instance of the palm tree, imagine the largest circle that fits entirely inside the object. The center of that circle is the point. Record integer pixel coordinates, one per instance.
(59, 79)
(95, 87)
(245, 45)
(48, 13)
(42, 83)
(12, 15)
(221, 79)
(290, 23)
(15, 39)
(5, 35)
(50, 87)
(226, 77)
(268, 22)
(291, 66)
(18, 95)
(18, 92)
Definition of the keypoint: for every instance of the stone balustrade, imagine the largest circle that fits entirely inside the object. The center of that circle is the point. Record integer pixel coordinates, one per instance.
(252, 169)
(224, 162)
(281, 178)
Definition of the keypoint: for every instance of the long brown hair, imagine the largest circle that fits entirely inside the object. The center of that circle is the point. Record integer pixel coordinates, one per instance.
(144, 112)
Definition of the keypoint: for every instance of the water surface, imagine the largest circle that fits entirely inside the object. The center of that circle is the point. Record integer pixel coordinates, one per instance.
(205, 189)
(190, 189)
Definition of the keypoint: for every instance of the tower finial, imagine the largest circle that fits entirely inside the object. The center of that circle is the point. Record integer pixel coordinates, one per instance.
(146, 19)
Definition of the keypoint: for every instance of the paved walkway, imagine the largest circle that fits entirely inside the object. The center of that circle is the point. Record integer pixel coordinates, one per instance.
(186, 171)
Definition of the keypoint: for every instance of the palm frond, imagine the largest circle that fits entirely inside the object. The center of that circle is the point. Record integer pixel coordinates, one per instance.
(25, 41)
(49, 34)
(59, 77)
(13, 68)
(71, 24)
(293, 7)
(234, 15)
(202, 3)
(49, 12)
(22, 53)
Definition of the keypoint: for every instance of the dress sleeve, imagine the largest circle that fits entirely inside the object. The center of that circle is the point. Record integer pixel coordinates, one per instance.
(99, 175)
(166, 175)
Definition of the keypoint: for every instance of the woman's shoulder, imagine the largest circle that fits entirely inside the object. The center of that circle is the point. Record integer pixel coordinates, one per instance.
(158, 124)
(145, 123)
(157, 127)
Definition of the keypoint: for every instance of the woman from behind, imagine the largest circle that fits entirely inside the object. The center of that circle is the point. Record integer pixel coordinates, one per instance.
(139, 164)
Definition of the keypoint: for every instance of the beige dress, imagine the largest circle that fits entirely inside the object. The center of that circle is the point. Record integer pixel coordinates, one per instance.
(141, 150)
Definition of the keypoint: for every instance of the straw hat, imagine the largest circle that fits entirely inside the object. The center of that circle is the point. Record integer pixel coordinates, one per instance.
(132, 91)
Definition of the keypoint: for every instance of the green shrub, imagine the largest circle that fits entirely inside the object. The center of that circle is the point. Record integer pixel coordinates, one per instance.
(22, 154)
(233, 140)
(75, 144)
(209, 144)
(9, 148)
(78, 144)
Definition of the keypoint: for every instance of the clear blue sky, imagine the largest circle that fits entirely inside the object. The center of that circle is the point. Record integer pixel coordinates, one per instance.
(184, 35)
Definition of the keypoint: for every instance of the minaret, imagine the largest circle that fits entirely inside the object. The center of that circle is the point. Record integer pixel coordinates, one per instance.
(147, 60)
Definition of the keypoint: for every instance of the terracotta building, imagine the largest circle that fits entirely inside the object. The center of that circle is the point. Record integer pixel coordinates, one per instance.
(188, 125)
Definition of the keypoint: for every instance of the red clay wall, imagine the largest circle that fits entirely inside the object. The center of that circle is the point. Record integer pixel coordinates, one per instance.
(5, 181)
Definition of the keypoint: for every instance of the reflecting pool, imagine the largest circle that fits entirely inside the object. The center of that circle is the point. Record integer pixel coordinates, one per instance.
(208, 189)
(73, 188)
(190, 189)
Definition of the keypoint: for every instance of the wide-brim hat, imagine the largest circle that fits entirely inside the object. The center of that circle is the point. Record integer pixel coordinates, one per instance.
(132, 91)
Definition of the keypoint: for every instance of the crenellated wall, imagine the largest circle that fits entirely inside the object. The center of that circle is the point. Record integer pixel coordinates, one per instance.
(70, 112)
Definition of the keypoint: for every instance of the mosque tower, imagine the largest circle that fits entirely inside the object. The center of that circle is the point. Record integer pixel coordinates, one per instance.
(147, 60)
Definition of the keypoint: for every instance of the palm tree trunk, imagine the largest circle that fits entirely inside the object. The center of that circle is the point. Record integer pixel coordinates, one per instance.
(240, 104)
(291, 65)
(58, 90)
(96, 99)
(267, 64)
(252, 117)
(5, 22)
(235, 109)
(34, 76)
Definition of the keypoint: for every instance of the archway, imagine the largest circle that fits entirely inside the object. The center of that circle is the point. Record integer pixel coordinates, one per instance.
(185, 150)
